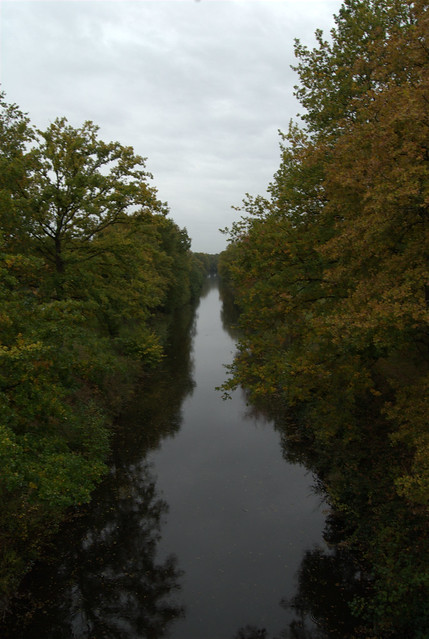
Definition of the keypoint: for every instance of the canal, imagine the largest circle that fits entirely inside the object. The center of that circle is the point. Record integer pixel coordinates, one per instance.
(201, 526)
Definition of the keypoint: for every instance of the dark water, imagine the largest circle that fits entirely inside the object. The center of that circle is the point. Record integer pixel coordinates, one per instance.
(200, 529)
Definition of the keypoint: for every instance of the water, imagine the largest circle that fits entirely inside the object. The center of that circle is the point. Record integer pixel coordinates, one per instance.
(201, 527)
(240, 517)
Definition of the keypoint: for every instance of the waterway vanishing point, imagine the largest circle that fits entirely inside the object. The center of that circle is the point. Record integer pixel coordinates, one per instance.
(201, 527)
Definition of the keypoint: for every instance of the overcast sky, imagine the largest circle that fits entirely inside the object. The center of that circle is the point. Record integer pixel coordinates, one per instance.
(200, 88)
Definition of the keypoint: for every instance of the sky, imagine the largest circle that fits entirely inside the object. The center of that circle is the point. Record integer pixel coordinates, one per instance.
(198, 87)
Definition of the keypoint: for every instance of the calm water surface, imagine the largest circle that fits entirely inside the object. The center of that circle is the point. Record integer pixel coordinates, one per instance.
(201, 527)
(240, 517)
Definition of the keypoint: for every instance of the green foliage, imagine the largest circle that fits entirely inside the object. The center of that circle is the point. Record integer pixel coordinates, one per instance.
(330, 271)
(89, 263)
(208, 262)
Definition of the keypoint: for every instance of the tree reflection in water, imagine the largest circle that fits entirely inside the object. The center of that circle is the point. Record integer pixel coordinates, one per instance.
(110, 585)
(327, 584)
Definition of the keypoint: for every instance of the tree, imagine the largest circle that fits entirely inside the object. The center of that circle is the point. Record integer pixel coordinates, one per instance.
(340, 70)
(16, 163)
(80, 187)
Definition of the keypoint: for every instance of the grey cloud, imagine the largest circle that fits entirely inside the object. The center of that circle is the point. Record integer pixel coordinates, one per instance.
(200, 88)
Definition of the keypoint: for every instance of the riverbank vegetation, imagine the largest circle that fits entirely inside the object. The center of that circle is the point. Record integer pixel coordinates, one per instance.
(91, 271)
(330, 271)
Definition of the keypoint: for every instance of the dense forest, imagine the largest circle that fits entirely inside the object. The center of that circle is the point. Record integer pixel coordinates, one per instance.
(330, 273)
(91, 272)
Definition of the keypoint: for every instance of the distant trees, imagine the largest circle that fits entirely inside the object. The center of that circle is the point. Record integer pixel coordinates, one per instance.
(209, 262)
(90, 267)
(331, 271)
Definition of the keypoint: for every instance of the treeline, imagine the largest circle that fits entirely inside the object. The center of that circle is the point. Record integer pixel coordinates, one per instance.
(209, 262)
(330, 271)
(91, 271)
